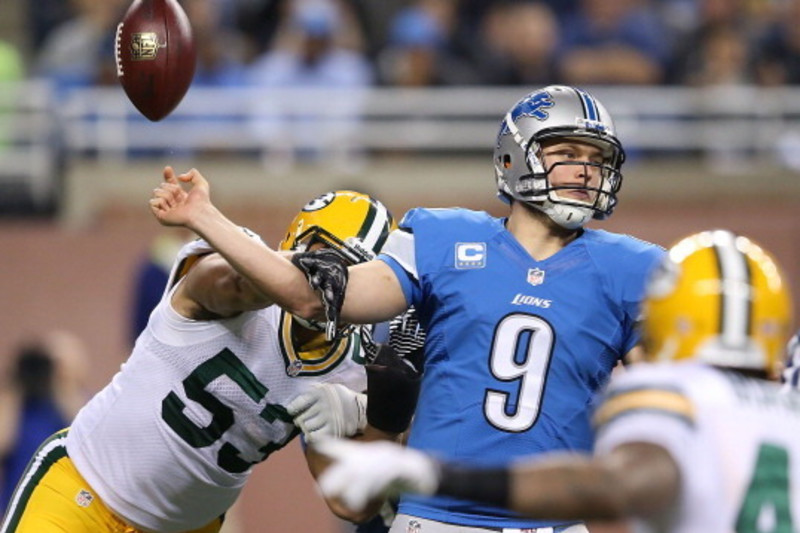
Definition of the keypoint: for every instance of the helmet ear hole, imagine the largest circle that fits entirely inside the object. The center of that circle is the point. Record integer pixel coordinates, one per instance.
(506, 161)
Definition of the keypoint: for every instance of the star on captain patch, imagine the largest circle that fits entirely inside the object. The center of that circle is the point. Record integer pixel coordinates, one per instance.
(535, 276)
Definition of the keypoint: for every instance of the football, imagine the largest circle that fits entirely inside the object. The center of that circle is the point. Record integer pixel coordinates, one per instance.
(155, 56)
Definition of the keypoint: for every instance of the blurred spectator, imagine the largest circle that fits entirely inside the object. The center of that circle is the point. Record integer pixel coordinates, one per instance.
(257, 21)
(422, 48)
(316, 72)
(220, 50)
(717, 22)
(80, 52)
(43, 16)
(613, 42)
(41, 395)
(777, 62)
(778, 48)
(11, 64)
(721, 59)
(11, 70)
(150, 277)
(518, 45)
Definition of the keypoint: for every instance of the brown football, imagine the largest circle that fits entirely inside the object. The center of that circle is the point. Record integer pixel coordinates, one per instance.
(155, 56)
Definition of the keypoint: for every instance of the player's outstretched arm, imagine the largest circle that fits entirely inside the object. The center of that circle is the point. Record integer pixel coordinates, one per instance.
(373, 292)
(174, 204)
(635, 479)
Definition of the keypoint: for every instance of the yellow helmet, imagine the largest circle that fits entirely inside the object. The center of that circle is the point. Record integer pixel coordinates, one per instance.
(718, 298)
(353, 223)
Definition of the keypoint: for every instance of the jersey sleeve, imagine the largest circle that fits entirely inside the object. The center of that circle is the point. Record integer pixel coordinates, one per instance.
(645, 404)
(633, 262)
(418, 248)
(399, 254)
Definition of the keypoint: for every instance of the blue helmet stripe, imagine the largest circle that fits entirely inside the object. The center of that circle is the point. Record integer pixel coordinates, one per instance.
(589, 107)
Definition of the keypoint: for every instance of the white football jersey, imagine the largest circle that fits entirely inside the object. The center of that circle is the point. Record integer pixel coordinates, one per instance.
(736, 441)
(170, 442)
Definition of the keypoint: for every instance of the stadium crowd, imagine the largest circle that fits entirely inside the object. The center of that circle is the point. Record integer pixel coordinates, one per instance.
(443, 42)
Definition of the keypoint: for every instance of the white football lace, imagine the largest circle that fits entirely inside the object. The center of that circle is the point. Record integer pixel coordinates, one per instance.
(117, 51)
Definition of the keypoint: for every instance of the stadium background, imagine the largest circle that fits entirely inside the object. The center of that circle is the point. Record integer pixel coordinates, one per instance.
(71, 266)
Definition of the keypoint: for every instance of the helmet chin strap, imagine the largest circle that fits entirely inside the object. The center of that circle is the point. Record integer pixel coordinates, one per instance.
(567, 216)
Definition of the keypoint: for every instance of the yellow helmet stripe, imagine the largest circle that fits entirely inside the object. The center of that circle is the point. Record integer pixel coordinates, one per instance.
(667, 401)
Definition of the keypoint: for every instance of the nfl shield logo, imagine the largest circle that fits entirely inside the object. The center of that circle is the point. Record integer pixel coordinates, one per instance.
(84, 498)
(535, 276)
(294, 368)
(414, 527)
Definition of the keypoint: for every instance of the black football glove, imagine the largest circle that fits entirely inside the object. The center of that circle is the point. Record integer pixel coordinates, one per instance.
(326, 272)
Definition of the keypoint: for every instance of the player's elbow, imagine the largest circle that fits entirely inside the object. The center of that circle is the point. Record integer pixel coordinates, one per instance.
(305, 308)
(356, 517)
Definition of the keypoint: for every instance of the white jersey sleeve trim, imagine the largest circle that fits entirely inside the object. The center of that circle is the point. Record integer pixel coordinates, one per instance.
(400, 247)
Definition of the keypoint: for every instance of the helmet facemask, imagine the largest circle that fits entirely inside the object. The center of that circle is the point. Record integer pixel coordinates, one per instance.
(352, 251)
(537, 190)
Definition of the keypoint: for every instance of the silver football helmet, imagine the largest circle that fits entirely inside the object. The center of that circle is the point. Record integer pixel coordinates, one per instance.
(553, 113)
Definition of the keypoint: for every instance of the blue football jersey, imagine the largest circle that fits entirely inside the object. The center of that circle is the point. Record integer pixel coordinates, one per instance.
(516, 348)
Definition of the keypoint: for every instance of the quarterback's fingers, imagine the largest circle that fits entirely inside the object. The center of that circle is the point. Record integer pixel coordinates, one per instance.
(169, 197)
(169, 175)
(163, 191)
(194, 177)
(157, 205)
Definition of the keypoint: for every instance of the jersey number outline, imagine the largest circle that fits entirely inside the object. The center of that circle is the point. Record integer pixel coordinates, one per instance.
(225, 363)
(766, 505)
(510, 361)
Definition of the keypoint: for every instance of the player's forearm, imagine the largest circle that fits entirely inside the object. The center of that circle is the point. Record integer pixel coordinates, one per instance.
(567, 489)
(556, 490)
(269, 271)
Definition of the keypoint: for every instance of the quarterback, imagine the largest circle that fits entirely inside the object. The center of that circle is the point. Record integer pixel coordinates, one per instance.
(698, 439)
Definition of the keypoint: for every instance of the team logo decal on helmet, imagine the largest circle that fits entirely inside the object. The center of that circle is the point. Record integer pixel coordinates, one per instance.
(533, 105)
(320, 202)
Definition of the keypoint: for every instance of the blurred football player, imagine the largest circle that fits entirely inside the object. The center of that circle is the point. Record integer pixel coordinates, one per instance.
(699, 438)
(791, 373)
(168, 445)
(526, 316)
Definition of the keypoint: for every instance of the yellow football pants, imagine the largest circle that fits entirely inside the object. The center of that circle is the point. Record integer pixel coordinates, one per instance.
(52, 497)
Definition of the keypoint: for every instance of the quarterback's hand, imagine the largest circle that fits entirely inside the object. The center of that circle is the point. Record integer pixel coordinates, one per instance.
(172, 205)
(364, 471)
(329, 410)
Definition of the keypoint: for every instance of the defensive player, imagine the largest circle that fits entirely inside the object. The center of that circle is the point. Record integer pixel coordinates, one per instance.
(525, 316)
(169, 443)
(791, 373)
(701, 440)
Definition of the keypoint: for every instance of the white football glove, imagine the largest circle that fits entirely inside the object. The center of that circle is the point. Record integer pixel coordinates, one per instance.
(365, 471)
(329, 410)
